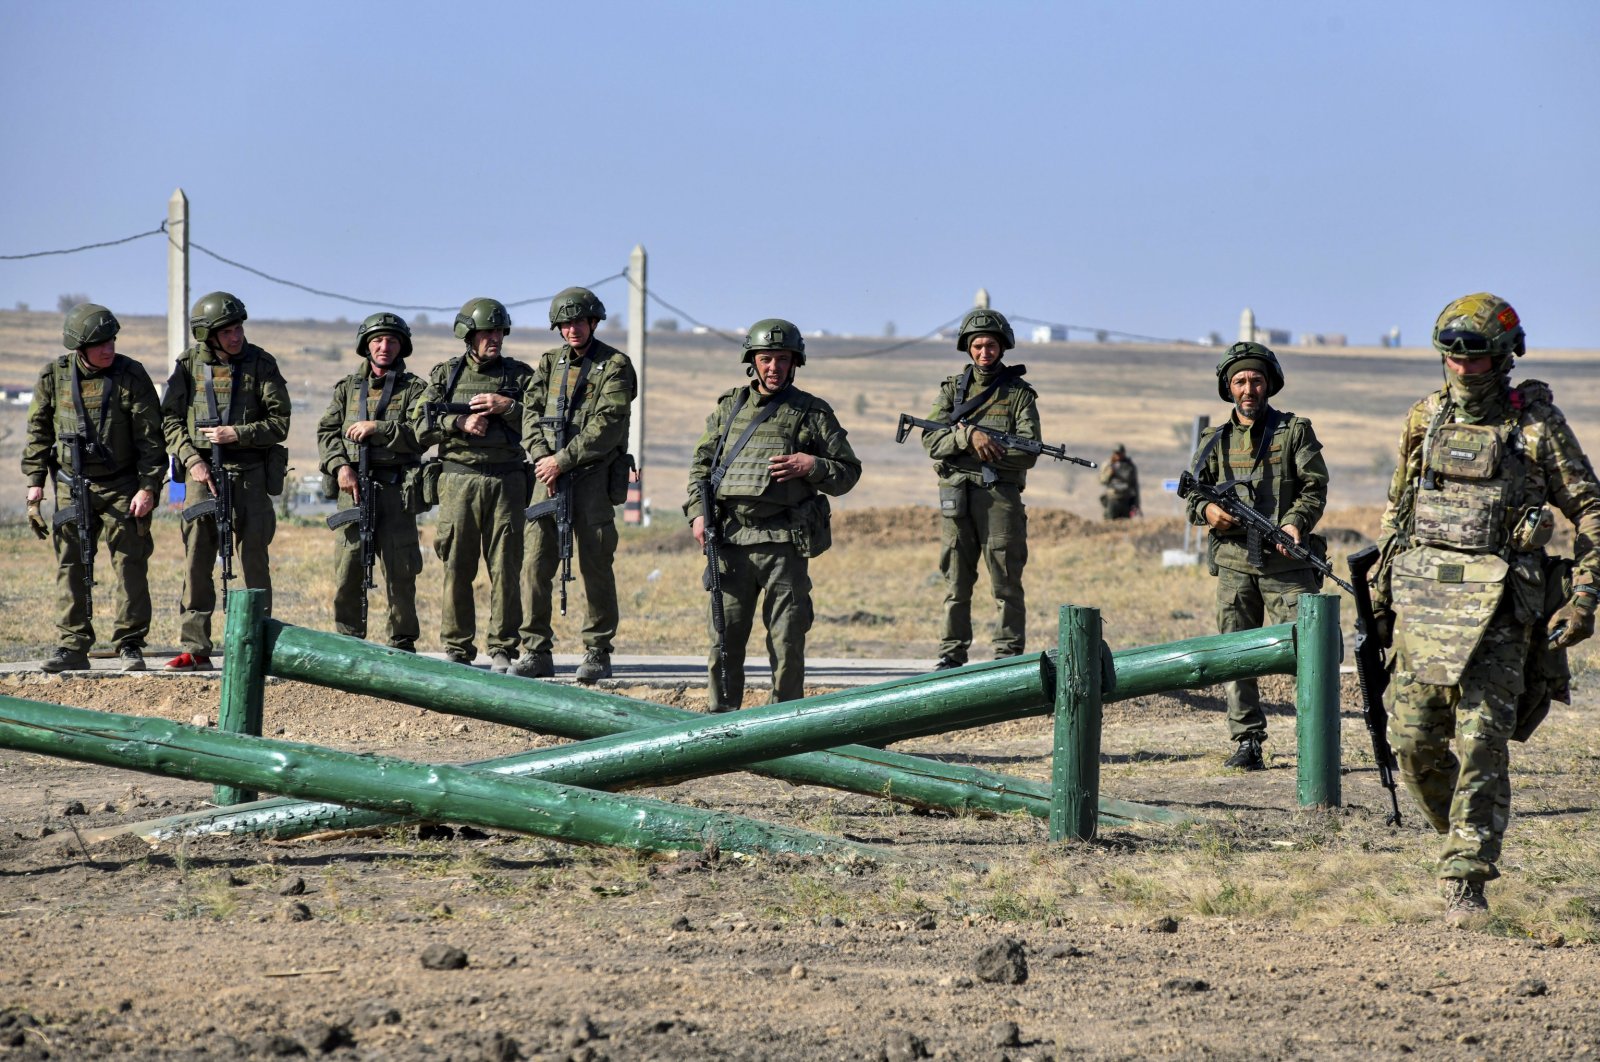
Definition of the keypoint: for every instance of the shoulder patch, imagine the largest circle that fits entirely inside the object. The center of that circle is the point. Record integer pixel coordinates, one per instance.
(1532, 394)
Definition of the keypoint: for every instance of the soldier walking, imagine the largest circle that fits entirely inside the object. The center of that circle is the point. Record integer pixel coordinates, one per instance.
(377, 408)
(1120, 478)
(575, 429)
(104, 404)
(483, 482)
(1272, 460)
(981, 485)
(1481, 616)
(771, 453)
(225, 391)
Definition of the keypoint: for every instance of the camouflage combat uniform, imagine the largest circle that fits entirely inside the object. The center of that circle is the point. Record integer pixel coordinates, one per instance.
(982, 507)
(768, 530)
(394, 455)
(1121, 496)
(483, 490)
(252, 397)
(1465, 575)
(598, 413)
(1285, 477)
(125, 415)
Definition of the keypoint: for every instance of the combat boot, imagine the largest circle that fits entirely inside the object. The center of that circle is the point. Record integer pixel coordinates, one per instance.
(500, 662)
(538, 664)
(948, 662)
(1247, 757)
(131, 658)
(66, 660)
(1462, 899)
(596, 666)
(456, 656)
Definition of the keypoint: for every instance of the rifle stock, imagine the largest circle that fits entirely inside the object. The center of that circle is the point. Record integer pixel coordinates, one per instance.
(81, 514)
(712, 581)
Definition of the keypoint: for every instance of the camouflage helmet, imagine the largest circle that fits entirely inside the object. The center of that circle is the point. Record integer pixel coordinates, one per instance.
(983, 321)
(1479, 324)
(575, 303)
(1258, 357)
(774, 333)
(87, 325)
(384, 323)
(214, 312)
(479, 314)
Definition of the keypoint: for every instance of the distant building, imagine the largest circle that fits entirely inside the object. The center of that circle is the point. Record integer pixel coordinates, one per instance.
(1324, 339)
(1049, 333)
(1250, 332)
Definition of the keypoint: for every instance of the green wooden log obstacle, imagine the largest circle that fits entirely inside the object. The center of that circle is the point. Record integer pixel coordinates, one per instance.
(399, 788)
(1075, 762)
(1316, 691)
(243, 676)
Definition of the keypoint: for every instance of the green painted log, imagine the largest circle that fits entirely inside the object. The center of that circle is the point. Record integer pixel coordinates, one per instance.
(1316, 692)
(397, 787)
(1075, 758)
(243, 677)
(359, 667)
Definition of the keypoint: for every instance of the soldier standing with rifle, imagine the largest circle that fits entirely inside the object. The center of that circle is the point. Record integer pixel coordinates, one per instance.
(473, 411)
(95, 424)
(1120, 478)
(368, 442)
(575, 429)
(226, 416)
(1269, 461)
(1480, 615)
(769, 456)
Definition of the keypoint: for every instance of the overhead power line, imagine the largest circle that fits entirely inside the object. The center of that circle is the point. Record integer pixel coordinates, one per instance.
(85, 247)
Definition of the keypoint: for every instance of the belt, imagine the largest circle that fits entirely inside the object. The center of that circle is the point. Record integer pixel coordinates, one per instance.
(390, 474)
(503, 469)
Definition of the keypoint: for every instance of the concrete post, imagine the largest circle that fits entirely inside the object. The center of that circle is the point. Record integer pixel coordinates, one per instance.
(177, 274)
(1201, 423)
(980, 301)
(1247, 326)
(1316, 693)
(1075, 767)
(633, 509)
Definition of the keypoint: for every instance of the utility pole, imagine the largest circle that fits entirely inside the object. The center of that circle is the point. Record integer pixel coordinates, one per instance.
(177, 274)
(633, 510)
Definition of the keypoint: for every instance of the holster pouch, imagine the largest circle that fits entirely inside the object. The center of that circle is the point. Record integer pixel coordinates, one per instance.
(330, 487)
(814, 534)
(428, 475)
(617, 479)
(1444, 601)
(275, 469)
(1546, 675)
(953, 501)
(413, 493)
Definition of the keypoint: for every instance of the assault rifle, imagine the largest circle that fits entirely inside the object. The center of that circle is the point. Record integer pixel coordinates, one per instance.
(1263, 530)
(80, 512)
(1004, 439)
(559, 503)
(434, 410)
(219, 506)
(712, 581)
(365, 511)
(1374, 677)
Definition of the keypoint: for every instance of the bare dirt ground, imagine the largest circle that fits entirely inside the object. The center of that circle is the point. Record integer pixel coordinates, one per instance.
(1269, 931)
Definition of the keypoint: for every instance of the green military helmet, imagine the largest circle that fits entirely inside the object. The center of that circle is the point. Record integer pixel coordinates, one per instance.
(88, 324)
(479, 314)
(1479, 324)
(982, 321)
(1120, 450)
(1248, 356)
(214, 312)
(384, 323)
(574, 304)
(774, 333)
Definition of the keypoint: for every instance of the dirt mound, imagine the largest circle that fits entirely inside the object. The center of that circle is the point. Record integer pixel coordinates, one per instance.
(919, 524)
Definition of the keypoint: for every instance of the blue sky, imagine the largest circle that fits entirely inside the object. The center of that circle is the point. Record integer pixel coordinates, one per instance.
(1151, 167)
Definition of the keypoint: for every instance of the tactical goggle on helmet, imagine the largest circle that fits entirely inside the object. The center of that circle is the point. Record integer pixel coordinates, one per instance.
(1477, 325)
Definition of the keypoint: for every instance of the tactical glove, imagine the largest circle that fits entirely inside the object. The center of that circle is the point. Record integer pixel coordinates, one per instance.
(36, 520)
(1573, 622)
(1383, 626)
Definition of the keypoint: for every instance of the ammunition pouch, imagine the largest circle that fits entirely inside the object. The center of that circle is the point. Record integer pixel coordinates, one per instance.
(413, 492)
(275, 468)
(813, 531)
(330, 487)
(953, 501)
(1445, 601)
(1546, 675)
(428, 483)
(617, 479)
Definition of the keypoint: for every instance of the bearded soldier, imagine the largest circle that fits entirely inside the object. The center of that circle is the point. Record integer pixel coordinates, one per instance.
(1272, 460)
(1481, 617)
(1120, 478)
(483, 482)
(981, 485)
(575, 428)
(225, 392)
(769, 456)
(375, 408)
(103, 405)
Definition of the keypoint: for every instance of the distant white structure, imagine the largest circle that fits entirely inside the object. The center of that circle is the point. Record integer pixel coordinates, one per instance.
(1247, 326)
(1049, 334)
(1324, 339)
(980, 301)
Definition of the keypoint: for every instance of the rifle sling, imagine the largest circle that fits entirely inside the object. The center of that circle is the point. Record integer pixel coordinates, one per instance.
(724, 460)
(91, 434)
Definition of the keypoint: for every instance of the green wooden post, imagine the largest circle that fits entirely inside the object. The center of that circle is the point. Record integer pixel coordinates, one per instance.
(1317, 700)
(1075, 764)
(243, 677)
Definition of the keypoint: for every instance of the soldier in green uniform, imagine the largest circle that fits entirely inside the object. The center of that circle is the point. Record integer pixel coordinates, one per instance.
(377, 406)
(225, 378)
(108, 399)
(1274, 462)
(772, 453)
(483, 482)
(582, 393)
(1472, 597)
(1120, 478)
(981, 485)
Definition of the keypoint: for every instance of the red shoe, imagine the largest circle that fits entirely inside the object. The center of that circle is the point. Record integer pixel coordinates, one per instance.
(189, 662)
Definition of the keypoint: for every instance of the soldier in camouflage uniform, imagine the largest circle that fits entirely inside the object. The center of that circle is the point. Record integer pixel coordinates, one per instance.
(981, 485)
(109, 399)
(483, 484)
(584, 388)
(772, 453)
(1120, 499)
(377, 406)
(226, 375)
(1274, 462)
(1466, 586)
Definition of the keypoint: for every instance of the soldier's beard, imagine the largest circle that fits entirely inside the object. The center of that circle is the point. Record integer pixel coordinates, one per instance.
(1481, 396)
